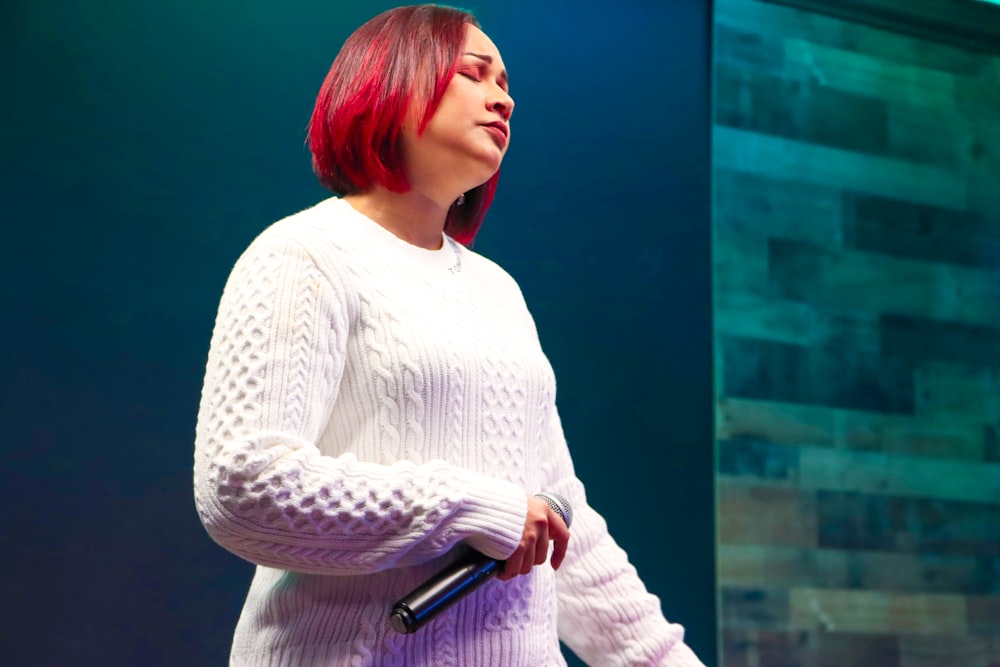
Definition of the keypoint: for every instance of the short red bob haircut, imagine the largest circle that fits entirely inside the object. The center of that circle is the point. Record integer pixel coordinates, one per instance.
(402, 56)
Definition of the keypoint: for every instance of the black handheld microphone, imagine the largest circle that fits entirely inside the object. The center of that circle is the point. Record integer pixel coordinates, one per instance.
(457, 580)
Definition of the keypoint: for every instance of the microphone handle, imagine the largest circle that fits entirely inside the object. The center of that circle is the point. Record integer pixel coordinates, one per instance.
(441, 592)
(457, 580)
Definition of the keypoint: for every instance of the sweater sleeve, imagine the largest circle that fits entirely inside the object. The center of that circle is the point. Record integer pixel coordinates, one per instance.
(606, 615)
(264, 490)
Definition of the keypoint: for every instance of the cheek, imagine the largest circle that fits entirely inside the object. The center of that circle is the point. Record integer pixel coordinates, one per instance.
(458, 102)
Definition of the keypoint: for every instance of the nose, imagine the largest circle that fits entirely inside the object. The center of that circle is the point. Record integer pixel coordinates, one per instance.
(501, 102)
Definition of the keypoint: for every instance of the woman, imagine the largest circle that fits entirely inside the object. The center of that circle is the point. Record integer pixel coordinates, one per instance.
(376, 400)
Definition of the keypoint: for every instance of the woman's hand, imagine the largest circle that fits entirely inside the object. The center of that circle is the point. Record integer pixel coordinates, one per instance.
(541, 526)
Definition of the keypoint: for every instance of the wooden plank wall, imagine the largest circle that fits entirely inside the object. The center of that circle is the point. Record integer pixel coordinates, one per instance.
(857, 236)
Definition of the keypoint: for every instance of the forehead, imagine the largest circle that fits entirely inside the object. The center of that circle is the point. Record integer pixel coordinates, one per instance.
(476, 41)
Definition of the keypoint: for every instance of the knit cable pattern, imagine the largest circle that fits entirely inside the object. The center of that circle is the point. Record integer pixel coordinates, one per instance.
(263, 489)
(365, 410)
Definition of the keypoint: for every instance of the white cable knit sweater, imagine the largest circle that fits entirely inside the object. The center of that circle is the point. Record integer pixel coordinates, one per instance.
(368, 406)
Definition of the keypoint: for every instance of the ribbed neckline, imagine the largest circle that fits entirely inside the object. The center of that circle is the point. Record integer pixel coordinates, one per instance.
(444, 258)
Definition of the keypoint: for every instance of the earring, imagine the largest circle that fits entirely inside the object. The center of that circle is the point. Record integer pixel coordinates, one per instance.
(460, 200)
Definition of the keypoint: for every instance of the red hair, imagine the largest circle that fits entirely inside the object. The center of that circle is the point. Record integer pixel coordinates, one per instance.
(402, 56)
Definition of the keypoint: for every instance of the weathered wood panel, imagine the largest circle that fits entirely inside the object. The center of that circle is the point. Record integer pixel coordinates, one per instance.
(772, 21)
(895, 475)
(958, 392)
(832, 376)
(920, 339)
(775, 157)
(921, 232)
(759, 462)
(920, 650)
(748, 565)
(905, 524)
(969, 25)
(984, 612)
(767, 515)
(931, 435)
(765, 648)
(869, 76)
(764, 207)
(871, 282)
(914, 134)
(741, 263)
(799, 110)
(857, 236)
(755, 608)
(748, 315)
(822, 469)
(876, 612)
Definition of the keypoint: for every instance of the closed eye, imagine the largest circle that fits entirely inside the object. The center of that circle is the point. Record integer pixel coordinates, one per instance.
(471, 74)
(481, 68)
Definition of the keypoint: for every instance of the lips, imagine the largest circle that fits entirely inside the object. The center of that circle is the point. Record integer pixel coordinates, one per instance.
(499, 131)
(500, 126)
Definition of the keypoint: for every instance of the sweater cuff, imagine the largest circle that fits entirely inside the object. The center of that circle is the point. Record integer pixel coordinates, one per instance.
(492, 516)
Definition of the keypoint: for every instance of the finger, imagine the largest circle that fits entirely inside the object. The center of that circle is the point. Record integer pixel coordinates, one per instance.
(526, 565)
(541, 550)
(520, 561)
(509, 571)
(559, 548)
(560, 539)
(511, 567)
(528, 554)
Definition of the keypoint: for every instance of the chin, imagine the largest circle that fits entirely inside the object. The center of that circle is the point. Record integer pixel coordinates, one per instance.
(493, 166)
(481, 176)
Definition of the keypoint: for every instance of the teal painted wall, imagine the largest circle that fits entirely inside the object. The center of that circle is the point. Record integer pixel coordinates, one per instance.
(144, 145)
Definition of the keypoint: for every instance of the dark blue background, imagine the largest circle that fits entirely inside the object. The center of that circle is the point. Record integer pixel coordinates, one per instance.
(143, 145)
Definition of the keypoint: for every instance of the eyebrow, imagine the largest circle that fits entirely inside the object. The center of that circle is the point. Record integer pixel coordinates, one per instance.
(488, 59)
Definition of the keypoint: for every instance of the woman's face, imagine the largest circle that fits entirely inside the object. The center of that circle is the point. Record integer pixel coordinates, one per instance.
(466, 138)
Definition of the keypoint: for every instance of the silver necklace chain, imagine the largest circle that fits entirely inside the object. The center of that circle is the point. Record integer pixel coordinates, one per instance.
(457, 266)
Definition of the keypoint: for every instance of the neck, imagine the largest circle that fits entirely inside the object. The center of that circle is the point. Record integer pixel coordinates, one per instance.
(412, 216)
